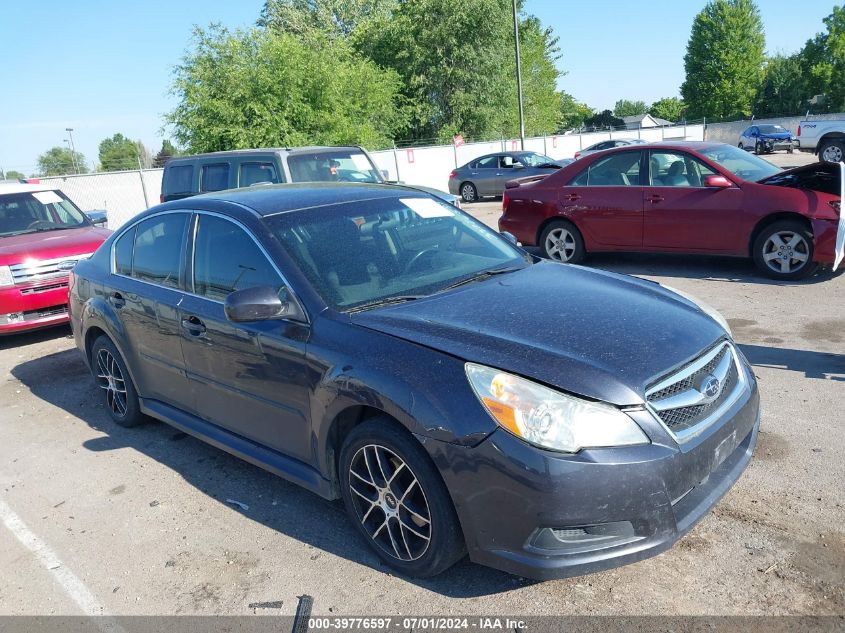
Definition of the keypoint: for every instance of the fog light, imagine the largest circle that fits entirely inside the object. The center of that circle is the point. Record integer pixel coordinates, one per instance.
(12, 317)
(573, 539)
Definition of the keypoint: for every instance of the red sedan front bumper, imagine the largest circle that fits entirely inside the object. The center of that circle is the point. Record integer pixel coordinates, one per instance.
(35, 305)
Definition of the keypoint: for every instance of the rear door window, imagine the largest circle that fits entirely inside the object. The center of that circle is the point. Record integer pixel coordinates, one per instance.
(491, 162)
(214, 177)
(158, 249)
(180, 179)
(621, 169)
(252, 173)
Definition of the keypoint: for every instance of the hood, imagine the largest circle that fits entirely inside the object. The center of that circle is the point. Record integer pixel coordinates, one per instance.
(822, 176)
(776, 136)
(51, 244)
(597, 334)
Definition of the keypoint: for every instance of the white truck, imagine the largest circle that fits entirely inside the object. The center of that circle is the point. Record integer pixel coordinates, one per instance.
(823, 137)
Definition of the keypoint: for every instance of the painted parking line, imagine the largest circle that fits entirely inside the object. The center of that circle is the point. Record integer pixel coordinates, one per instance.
(69, 582)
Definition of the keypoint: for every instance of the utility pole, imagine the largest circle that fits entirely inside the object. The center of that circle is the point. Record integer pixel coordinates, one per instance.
(69, 130)
(518, 77)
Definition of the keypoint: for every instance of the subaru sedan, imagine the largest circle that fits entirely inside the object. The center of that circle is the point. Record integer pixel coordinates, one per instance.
(377, 345)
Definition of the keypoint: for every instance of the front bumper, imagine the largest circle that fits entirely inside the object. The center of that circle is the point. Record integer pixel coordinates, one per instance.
(26, 307)
(773, 145)
(543, 515)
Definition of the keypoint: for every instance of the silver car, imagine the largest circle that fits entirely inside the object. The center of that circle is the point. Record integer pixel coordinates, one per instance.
(487, 175)
(602, 145)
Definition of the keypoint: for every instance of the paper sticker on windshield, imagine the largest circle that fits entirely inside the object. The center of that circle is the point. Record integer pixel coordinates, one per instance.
(46, 197)
(361, 163)
(427, 208)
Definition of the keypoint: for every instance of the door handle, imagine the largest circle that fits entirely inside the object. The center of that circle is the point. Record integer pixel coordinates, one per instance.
(117, 300)
(193, 326)
(572, 197)
(654, 198)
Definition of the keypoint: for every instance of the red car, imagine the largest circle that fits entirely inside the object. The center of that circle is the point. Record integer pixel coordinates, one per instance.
(42, 236)
(687, 197)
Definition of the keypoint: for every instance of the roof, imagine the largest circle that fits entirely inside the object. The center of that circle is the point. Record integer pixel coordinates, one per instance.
(272, 199)
(22, 187)
(266, 150)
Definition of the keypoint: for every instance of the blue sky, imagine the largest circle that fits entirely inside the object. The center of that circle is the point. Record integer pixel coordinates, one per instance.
(104, 67)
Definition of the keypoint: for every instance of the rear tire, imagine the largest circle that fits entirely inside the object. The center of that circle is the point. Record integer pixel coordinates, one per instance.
(561, 241)
(397, 499)
(469, 193)
(784, 250)
(113, 378)
(832, 151)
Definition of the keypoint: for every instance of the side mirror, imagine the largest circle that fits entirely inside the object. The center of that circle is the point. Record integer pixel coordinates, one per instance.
(261, 303)
(717, 181)
(510, 237)
(99, 218)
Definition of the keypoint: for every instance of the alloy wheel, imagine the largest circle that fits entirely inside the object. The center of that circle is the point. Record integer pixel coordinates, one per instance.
(786, 252)
(832, 154)
(560, 244)
(390, 503)
(110, 379)
(468, 192)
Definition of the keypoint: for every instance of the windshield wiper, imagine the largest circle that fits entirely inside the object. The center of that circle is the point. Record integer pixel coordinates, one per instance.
(52, 228)
(387, 301)
(484, 274)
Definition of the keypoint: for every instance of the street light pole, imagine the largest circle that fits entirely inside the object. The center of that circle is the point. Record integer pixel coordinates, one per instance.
(69, 130)
(518, 77)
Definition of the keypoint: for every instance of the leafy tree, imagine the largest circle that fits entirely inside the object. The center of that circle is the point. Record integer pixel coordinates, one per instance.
(604, 120)
(668, 108)
(724, 59)
(784, 89)
(572, 113)
(118, 153)
(328, 17)
(11, 175)
(167, 151)
(59, 161)
(262, 88)
(624, 107)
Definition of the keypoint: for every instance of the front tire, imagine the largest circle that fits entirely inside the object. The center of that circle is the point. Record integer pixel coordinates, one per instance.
(784, 250)
(832, 151)
(114, 379)
(562, 242)
(397, 500)
(469, 193)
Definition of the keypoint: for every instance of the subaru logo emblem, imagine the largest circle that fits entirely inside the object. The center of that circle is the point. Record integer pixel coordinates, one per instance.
(66, 265)
(710, 386)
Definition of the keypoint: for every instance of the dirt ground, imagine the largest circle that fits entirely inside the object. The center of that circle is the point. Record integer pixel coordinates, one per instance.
(101, 519)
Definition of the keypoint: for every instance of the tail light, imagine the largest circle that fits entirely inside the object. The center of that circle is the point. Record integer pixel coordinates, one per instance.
(799, 131)
(161, 198)
(505, 200)
(577, 155)
(453, 175)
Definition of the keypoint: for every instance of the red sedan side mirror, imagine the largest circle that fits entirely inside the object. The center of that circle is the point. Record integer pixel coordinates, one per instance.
(717, 181)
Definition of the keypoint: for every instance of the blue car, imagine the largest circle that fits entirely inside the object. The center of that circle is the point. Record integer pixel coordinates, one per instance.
(764, 139)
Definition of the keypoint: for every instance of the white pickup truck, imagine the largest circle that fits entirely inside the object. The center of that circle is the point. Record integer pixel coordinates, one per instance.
(825, 138)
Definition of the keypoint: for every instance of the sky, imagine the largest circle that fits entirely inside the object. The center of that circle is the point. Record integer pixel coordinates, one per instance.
(103, 67)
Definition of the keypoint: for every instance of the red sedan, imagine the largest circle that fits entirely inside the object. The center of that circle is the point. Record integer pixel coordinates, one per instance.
(687, 197)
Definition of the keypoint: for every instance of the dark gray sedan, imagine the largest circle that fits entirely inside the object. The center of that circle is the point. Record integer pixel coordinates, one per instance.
(487, 175)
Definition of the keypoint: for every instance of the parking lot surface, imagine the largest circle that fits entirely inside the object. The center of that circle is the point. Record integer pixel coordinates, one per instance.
(101, 519)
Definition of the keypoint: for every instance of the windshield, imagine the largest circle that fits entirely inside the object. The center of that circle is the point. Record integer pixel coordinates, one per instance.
(334, 166)
(33, 211)
(771, 129)
(534, 160)
(740, 163)
(359, 253)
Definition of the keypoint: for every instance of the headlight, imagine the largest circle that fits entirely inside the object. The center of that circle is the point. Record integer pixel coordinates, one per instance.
(6, 277)
(706, 308)
(548, 418)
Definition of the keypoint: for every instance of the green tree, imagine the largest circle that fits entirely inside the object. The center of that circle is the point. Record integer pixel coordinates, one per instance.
(59, 161)
(669, 108)
(784, 89)
(167, 151)
(328, 17)
(603, 120)
(724, 59)
(572, 113)
(11, 175)
(261, 88)
(118, 153)
(624, 107)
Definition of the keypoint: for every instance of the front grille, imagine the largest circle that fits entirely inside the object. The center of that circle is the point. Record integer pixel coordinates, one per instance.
(41, 269)
(689, 397)
(36, 289)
